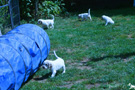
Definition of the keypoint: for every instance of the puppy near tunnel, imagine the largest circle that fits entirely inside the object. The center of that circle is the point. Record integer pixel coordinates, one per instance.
(23, 51)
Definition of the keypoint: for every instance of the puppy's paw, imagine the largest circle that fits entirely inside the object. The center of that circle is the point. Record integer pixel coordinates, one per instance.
(63, 72)
(52, 76)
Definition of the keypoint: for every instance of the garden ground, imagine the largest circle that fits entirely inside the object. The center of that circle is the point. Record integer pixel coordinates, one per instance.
(97, 57)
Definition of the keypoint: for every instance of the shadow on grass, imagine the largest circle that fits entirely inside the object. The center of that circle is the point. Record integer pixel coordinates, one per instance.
(30, 78)
(122, 56)
(43, 77)
(37, 78)
(40, 79)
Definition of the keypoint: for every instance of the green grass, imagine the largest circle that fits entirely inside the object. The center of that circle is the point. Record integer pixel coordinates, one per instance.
(97, 57)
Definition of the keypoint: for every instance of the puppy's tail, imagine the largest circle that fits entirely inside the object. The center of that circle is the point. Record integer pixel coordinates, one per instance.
(56, 55)
(52, 17)
(89, 14)
(89, 11)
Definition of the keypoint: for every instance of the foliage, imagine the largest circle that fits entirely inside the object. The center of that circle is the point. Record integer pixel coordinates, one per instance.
(4, 10)
(4, 17)
(26, 8)
(3, 2)
(45, 7)
(50, 7)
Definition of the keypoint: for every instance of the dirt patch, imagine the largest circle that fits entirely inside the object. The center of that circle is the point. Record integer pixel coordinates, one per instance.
(89, 86)
(130, 36)
(70, 84)
(69, 51)
(85, 60)
(127, 59)
(84, 67)
(79, 81)
(79, 65)
(66, 86)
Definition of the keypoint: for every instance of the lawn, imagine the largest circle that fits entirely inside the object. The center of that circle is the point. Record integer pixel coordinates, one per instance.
(97, 57)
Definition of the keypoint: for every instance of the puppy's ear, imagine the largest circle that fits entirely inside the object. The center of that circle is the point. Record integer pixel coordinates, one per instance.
(49, 65)
(40, 22)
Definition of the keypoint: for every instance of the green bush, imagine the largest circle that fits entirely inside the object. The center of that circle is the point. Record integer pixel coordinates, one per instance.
(26, 9)
(50, 7)
(4, 17)
(45, 7)
(3, 2)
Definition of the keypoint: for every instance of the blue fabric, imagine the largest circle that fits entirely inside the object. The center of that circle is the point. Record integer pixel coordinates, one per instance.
(30, 30)
(134, 3)
(5, 80)
(23, 50)
(31, 47)
(16, 62)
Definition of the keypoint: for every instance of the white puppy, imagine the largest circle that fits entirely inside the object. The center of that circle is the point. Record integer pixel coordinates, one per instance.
(131, 86)
(54, 65)
(107, 20)
(49, 23)
(85, 16)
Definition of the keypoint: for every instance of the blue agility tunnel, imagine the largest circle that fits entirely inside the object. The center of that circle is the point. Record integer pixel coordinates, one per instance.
(22, 52)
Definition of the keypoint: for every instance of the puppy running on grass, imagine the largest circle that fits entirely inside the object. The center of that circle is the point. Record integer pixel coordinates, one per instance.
(107, 20)
(49, 23)
(131, 86)
(85, 16)
(54, 65)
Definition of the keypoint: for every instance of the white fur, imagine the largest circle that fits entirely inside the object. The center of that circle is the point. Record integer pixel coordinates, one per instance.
(85, 16)
(107, 20)
(131, 86)
(54, 65)
(49, 23)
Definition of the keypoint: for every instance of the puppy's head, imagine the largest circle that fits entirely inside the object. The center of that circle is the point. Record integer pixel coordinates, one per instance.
(39, 21)
(129, 84)
(79, 16)
(47, 64)
(103, 17)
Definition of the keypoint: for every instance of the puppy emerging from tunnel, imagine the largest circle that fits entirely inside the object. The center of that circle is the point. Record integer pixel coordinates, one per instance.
(54, 65)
